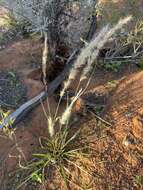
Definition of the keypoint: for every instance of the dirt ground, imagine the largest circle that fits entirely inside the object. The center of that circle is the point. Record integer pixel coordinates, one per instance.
(116, 160)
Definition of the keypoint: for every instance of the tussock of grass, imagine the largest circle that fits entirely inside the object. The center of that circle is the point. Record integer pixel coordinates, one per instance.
(57, 152)
(59, 149)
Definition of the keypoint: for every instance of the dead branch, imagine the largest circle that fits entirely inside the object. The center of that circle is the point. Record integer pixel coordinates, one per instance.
(22, 111)
(18, 115)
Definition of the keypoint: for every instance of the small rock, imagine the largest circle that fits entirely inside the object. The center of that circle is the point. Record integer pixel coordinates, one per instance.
(128, 140)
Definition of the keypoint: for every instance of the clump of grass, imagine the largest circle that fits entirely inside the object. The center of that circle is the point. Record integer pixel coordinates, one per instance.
(112, 84)
(57, 152)
(60, 148)
(113, 66)
(138, 180)
(7, 130)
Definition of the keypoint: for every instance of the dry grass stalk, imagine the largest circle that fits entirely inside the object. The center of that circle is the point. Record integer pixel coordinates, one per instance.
(98, 46)
(67, 113)
(45, 59)
(89, 54)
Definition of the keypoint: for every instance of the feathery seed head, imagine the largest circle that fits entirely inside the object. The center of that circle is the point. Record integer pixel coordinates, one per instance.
(90, 52)
(67, 113)
(51, 125)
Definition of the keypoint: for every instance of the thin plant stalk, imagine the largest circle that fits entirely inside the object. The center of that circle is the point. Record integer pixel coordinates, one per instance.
(45, 60)
(49, 110)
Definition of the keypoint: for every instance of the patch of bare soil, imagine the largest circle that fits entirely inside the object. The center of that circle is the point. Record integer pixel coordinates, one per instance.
(125, 110)
(25, 54)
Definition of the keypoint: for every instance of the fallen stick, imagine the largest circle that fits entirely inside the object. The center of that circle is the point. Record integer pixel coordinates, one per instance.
(17, 115)
(20, 113)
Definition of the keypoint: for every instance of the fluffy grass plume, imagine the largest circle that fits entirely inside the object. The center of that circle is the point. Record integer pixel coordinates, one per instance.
(51, 125)
(67, 113)
(90, 52)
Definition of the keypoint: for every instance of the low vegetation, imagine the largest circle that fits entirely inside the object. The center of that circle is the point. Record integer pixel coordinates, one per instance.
(58, 149)
(63, 150)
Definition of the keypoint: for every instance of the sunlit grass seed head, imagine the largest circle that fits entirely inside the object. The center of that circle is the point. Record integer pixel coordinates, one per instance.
(51, 125)
(90, 52)
(67, 113)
